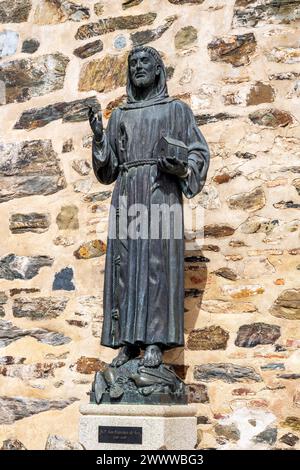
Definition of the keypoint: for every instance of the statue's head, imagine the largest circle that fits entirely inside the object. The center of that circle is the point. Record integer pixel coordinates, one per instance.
(144, 64)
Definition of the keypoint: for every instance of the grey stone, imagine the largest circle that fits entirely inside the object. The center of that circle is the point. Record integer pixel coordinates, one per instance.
(286, 205)
(29, 168)
(22, 267)
(55, 442)
(27, 78)
(10, 333)
(68, 146)
(44, 370)
(230, 373)
(273, 366)
(39, 308)
(130, 3)
(268, 436)
(120, 42)
(30, 46)
(245, 155)
(73, 111)
(251, 335)
(8, 43)
(14, 11)
(33, 222)
(82, 166)
(259, 12)
(182, 2)
(63, 280)
(15, 408)
(206, 118)
(97, 197)
(143, 37)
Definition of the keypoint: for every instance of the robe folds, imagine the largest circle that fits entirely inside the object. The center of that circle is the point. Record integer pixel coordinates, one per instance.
(144, 276)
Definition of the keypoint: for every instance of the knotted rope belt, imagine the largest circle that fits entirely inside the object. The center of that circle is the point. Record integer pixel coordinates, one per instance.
(134, 163)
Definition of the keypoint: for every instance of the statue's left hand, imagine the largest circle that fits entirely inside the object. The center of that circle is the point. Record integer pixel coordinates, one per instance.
(173, 166)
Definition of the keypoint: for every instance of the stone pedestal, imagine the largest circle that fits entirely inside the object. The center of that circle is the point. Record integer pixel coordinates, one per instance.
(138, 427)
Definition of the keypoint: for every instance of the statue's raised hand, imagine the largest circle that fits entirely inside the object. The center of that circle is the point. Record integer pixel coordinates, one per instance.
(96, 124)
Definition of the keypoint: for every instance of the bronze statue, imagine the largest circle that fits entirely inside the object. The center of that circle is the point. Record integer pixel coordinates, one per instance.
(154, 151)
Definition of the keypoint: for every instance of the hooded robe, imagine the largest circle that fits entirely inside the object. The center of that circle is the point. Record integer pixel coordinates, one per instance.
(143, 297)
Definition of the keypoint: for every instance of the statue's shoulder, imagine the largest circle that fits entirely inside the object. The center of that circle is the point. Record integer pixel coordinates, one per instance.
(181, 104)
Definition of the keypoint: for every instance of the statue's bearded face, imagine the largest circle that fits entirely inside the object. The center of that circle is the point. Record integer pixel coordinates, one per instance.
(143, 69)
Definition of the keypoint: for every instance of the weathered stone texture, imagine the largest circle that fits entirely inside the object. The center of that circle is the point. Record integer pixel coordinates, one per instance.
(39, 308)
(29, 168)
(104, 74)
(26, 78)
(235, 50)
(14, 11)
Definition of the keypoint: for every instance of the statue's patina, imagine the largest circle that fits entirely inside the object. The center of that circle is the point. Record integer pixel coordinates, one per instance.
(154, 151)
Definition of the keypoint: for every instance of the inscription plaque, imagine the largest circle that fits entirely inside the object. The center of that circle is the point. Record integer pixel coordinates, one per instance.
(120, 435)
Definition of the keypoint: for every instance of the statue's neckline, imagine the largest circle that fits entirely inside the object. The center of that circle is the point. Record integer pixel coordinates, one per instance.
(146, 103)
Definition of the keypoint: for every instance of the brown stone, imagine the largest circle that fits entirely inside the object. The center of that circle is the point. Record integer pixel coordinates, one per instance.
(130, 3)
(14, 11)
(29, 290)
(12, 444)
(109, 25)
(39, 308)
(250, 201)
(91, 249)
(68, 146)
(113, 105)
(104, 75)
(182, 2)
(257, 224)
(87, 50)
(284, 55)
(251, 335)
(98, 8)
(30, 371)
(211, 338)
(235, 50)
(296, 184)
(287, 305)
(59, 11)
(185, 37)
(218, 230)
(227, 307)
(26, 78)
(227, 273)
(271, 118)
(197, 393)
(33, 222)
(243, 291)
(228, 431)
(67, 219)
(292, 422)
(89, 365)
(180, 370)
(260, 93)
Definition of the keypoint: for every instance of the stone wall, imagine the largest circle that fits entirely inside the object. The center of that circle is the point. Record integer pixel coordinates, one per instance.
(237, 64)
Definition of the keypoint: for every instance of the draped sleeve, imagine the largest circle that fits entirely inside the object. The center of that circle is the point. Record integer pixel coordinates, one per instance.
(104, 154)
(198, 156)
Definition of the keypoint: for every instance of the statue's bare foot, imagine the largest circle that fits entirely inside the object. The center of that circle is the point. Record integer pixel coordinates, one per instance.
(126, 353)
(153, 356)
